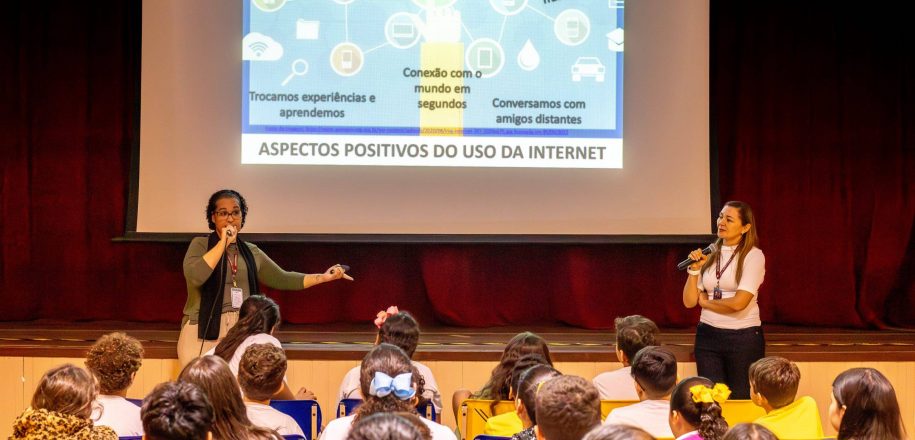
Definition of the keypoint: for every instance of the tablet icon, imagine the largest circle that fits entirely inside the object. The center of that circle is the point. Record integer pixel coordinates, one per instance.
(346, 59)
(572, 27)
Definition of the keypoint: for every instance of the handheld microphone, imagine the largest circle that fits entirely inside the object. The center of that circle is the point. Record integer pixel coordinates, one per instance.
(229, 233)
(685, 263)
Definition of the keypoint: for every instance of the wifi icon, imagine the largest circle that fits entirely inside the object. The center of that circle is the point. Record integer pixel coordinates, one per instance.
(258, 47)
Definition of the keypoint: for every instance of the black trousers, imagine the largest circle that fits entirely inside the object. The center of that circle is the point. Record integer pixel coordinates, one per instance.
(724, 356)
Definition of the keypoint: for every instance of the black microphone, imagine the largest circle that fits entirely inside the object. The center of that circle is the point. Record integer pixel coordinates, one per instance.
(708, 249)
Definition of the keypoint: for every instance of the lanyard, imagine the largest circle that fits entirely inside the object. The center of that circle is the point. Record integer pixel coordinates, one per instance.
(233, 264)
(719, 271)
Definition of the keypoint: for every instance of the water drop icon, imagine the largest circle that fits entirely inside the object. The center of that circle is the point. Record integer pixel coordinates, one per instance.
(528, 57)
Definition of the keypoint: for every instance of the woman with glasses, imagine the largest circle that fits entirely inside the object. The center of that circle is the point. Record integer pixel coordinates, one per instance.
(222, 270)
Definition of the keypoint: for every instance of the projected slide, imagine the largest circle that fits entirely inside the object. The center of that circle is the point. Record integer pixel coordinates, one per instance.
(458, 83)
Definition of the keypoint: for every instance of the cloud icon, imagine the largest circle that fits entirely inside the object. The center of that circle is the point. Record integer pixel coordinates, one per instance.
(259, 47)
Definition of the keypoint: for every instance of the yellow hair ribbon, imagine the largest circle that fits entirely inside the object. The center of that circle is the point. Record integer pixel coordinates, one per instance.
(539, 384)
(703, 394)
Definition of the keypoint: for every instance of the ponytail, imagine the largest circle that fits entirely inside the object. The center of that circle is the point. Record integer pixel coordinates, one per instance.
(698, 401)
(711, 425)
(258, 314)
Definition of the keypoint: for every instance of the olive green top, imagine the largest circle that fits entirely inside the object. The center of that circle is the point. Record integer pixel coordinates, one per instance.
(196, 272)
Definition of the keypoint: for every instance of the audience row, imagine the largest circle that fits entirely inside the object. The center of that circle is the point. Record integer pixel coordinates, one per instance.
(226, 394)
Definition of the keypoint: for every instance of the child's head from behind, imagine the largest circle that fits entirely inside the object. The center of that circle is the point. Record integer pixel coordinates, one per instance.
(693, 408)
(774, 380)
(531, 380)
(388, 381)
(401, 330)
(114, 360)
(749, 431)
(864, 405)
(66, 389)
(176, 411)
(261, 371)
(634, 333)
(567, 408)
(654, 370)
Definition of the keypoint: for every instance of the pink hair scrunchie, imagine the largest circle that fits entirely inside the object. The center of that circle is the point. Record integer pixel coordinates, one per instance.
(383, 315)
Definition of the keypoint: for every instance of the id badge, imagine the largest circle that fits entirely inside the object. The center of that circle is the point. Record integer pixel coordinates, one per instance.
(236, 297)
(716, 293)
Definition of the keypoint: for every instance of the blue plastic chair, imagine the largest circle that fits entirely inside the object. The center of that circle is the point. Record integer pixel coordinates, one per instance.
(137, 402)
(427, 410)
(490, 437)
(347, 407)
(307, 413)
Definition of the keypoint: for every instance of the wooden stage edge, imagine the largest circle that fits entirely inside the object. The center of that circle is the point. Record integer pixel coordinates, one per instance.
(567, 344)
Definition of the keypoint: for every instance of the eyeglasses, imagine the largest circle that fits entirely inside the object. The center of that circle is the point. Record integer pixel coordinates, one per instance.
(223, 214)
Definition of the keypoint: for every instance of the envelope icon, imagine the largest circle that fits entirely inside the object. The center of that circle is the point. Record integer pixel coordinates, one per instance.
(615, 40)
(306, 29)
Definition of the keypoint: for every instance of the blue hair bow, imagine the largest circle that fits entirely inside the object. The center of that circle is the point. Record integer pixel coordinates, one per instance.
(401, 385)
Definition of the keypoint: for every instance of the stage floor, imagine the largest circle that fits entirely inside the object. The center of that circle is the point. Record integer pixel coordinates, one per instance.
(351, 342)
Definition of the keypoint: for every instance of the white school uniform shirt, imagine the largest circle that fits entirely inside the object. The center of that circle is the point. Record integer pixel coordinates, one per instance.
(754, 271)
(616, 385)
(350, 388)
(266, 416)
(650, 415)
(339, 429)
(118, 414)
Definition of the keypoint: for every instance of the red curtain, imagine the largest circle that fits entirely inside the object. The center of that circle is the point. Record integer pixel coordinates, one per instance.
(813, 125)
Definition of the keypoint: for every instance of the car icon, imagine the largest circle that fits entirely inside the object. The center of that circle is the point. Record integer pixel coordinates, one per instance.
(588, 66)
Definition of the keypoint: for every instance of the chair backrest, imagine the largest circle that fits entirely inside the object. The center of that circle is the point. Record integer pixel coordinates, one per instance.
(741, 411)
(427, 411)
(307, 413)
(347, 406)
(609, 405)
(137, 402)
(475, 412)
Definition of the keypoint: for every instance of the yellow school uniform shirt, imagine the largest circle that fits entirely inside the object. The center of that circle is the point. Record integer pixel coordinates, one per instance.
(798, 420)
(503, 425)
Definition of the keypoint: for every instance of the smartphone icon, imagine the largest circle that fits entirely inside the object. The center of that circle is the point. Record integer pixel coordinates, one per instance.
(484, 58)
(573, 29)
(347, 59)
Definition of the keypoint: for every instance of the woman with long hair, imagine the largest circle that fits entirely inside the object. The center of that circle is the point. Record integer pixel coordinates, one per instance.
(725, 284)
(212, 375)
(864, 406)
(695, 409)
(390, 384)
(61, 408)
(221, 270)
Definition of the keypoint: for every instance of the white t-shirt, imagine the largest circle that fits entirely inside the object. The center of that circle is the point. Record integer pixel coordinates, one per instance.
(650, 415)
(266, 416)
(260, 338)
(339, 429)
(754, 271)
(616, 385)
(350, 389)
(119, 414)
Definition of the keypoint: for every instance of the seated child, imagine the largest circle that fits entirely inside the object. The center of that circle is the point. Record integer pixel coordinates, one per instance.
(633, 333)
(260, 375)
(695, 409)
(400, 329)
(773, 386)
(510, 423)
(114, 360)
(654, 370)
(568, 407)
(177, 411)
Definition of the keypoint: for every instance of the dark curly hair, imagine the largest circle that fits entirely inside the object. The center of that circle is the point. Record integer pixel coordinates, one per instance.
(705, 417)
(114, 359)
(225, 194)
